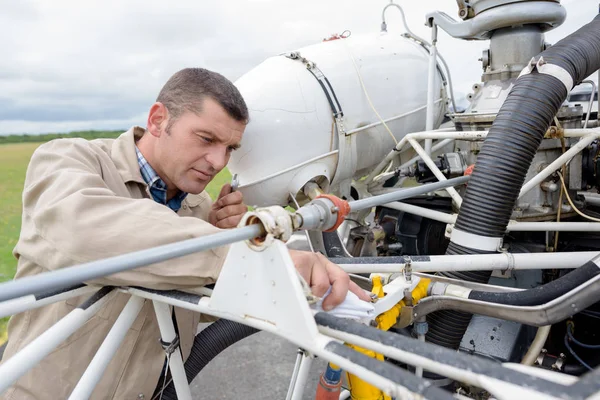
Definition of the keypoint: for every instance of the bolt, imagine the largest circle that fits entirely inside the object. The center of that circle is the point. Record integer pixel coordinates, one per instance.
(334, 209)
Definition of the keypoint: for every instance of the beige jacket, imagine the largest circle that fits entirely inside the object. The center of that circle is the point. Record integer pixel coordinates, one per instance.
(84, 201)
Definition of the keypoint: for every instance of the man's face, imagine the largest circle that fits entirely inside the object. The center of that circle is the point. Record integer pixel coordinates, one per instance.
(197, 146)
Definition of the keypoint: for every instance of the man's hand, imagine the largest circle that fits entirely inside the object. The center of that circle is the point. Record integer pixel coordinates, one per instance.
(320, 273)
(227, 211)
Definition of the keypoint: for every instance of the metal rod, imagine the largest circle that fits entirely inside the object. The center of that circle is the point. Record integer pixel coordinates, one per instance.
(294, 374)
(300, 383)
(109, 347)
(513, 226)
(469, 262)
(404, 193)
(422, 211)
(438, 145)
(589, 110)
(30, 302)
(65, 277)
(437, 134)
(456, 199)
(430, 87)
(168, 335)
(556, 164)
(16, 366)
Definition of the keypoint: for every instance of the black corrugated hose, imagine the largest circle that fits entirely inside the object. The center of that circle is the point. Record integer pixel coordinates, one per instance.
(506, 156)
(207, 345)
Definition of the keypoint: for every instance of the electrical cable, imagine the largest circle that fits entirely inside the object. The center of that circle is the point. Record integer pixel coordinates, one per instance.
(577, 342)
(575, 354)
(367, 94)
(562, 180)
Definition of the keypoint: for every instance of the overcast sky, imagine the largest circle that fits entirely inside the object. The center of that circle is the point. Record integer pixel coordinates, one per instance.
(74, 65)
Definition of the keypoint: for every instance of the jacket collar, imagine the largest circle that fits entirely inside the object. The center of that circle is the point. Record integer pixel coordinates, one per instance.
(124, 156)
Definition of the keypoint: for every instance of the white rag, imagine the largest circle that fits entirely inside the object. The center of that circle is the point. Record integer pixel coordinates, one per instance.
(352, 308)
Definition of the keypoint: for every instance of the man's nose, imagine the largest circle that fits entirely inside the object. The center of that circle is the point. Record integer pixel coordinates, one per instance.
(218, 158)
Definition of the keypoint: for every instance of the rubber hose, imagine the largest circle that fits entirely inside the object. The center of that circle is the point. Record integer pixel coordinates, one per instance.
(506, 156)
(541, 294)
(208, 344)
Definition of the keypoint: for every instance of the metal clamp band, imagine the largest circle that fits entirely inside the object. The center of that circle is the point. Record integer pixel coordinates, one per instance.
(476, 242)
(549, 69)
(170, 347)
(334, 104)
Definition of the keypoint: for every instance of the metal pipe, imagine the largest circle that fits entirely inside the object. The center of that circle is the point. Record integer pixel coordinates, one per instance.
(430, 87)
(294, 374)
(537, 345)
(438, 145)
(469, 262)
(553, 226)
(422, 211)
(65, 277)
(589, 110)
(550, 313)
(374, 124)
(30, 302)
(404, 193)
(16, 366)
(456, 199)
(556, 164)
(300, 384)
(109, 347)
(175, 364)
(513, 226)
(437, 134)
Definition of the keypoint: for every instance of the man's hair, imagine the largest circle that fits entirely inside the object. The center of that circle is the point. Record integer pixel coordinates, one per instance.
(187, 89)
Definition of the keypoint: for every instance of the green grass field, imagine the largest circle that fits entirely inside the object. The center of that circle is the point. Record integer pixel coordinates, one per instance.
(13, 165)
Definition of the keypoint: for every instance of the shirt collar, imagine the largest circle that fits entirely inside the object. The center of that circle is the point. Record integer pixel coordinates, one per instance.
(158, 188)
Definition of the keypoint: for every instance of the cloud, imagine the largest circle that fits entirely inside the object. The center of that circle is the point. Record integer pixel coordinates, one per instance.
(97, 64)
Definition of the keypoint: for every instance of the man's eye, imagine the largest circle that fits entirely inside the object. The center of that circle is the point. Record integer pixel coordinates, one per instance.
(207, 139)
(231, 148)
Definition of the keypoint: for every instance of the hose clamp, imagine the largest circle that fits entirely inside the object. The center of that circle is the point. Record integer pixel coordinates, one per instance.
(549, 69)
(475, 242)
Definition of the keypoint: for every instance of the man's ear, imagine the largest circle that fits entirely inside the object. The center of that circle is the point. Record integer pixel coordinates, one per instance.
(157, 119)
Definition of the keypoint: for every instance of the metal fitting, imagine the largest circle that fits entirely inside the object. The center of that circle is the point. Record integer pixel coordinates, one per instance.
(421, 327)
(277, 222)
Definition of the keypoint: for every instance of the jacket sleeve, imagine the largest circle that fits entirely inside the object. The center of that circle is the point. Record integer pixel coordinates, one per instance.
(71, 216)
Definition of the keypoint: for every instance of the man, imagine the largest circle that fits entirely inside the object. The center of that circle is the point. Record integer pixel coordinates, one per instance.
(85, 201)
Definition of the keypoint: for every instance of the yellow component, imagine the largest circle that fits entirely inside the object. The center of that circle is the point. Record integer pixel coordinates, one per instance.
(377, 286)
(359, 389)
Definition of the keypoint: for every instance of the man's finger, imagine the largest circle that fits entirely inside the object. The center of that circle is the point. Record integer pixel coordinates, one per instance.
(229, 222)
(319, 279)
(229, 211)
(229, 199)
(357, 290)
(225, 190)
(339, 285)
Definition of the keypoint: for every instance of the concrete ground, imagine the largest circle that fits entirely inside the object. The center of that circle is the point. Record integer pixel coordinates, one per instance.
(258, 367)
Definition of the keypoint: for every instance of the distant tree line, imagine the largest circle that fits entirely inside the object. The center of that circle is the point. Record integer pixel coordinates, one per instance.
(50, 136)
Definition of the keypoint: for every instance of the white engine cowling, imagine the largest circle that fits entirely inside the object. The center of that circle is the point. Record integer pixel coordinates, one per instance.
(292, 137)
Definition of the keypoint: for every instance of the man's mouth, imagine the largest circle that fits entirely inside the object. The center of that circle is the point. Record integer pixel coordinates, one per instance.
(205, 176)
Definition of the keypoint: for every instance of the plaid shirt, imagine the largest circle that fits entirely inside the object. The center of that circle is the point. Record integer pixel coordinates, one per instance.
(158, 188)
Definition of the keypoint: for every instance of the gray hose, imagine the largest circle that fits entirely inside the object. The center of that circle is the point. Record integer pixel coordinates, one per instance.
(506, 156)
